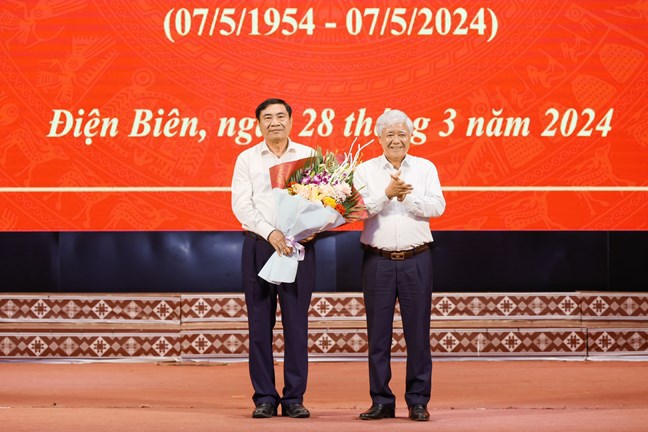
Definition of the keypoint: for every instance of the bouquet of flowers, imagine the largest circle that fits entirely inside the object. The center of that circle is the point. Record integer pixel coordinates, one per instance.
(312, 195)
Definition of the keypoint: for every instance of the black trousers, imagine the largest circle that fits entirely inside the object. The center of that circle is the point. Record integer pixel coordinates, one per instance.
(261, 300)
(409, 281)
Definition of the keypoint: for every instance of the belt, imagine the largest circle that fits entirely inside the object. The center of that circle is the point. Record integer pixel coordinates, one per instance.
(397, 255)
(254, 235)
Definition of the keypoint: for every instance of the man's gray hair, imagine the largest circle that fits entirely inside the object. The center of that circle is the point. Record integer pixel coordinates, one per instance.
(393, 117)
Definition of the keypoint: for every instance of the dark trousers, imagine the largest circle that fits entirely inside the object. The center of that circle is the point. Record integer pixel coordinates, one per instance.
(261, 301)
(409, 281)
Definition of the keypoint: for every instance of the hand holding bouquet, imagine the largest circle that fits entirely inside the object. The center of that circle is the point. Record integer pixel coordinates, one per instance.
(312, 195)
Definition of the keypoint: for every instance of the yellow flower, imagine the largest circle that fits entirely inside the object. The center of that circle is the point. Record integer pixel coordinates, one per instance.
(328, 201)
(315, 194)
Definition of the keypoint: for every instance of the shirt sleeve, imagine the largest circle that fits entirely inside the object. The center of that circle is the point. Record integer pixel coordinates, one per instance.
(430, 202)
(375, 200)
(242, 203)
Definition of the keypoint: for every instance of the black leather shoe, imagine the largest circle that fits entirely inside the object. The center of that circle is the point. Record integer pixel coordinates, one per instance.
(378, 411)
(295, 411)
(264, 410)
(419, 413)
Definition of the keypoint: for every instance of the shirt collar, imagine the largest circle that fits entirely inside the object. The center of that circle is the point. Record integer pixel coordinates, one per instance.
(265, 149)
(407, 160)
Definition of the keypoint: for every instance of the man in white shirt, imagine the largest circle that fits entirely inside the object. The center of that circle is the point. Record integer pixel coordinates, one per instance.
(402, 192)
(254, 206)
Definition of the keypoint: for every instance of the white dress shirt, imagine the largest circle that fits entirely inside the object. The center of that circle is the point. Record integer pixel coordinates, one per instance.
(252, 200)
(394, 225)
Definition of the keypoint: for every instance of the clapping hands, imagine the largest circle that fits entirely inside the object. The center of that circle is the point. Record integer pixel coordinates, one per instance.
(397, 187)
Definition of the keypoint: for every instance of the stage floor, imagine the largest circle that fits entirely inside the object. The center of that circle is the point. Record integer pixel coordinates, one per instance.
(467, 396)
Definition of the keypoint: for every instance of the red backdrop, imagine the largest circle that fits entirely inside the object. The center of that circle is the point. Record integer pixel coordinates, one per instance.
(534, 112)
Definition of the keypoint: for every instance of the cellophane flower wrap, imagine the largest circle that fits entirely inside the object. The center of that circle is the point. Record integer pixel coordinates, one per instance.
(312, 195)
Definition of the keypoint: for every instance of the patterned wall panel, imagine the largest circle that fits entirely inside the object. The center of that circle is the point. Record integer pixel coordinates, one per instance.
(108, 345)
(618, 341)
(350, 306)
(38, 326)
(444, 342)
(604, 306)
(231, 307)
(215, 343)
(506, 306)
(89, 308)
(217, 307)
(510, 342)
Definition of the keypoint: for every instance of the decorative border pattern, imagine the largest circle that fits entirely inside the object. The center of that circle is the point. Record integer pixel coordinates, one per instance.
(350, 307)
(506, 306)
(216, 343)
(324, 306)
(615, 341)
(214, 308)
(335, 343)
(509, 342)
(89, 308)
(43, 345)
(231, 307)
(607, 306)
(444, 342)
(42, 326)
